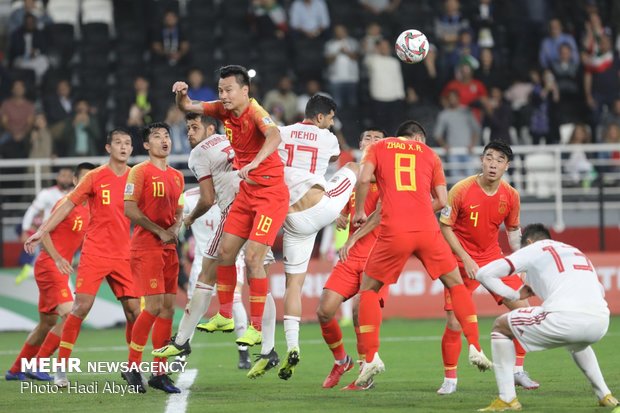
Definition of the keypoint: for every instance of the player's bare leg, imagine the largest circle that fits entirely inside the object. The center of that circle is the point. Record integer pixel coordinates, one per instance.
(255, 254)
(521, 377)
(332, 334)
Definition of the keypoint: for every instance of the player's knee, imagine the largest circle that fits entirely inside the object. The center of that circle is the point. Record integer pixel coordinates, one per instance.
(453, 324)
(81, 309)
(324, 314)
(501, 326)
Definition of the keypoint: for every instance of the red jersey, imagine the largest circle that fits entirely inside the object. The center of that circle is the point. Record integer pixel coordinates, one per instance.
(362, 247)
(68, 235)
(107, 234)
(476, 217)
(406, 172)
(246, 134)
(158, 195)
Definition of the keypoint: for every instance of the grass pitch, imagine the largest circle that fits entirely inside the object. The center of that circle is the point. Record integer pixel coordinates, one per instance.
(410, 349)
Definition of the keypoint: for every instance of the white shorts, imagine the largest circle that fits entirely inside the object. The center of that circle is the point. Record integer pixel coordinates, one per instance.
(538, 330)
(300, 228)
(214, 241)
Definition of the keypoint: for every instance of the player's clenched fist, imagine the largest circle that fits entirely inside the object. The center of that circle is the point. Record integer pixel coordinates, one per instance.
(180, 87)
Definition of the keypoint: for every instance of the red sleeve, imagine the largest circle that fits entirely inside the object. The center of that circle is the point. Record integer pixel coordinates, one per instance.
(438, 176)
(261, 118)
(135, 184)
(512, 219)
(370, 154)
(84, 190)
(213, 109)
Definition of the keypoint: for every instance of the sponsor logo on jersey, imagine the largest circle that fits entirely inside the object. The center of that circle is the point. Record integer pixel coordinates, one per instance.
(129, 189)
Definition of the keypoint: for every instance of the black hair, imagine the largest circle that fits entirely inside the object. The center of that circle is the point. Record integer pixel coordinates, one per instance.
(83, 166)
(374, 129)
(411, 128)
(500, 146)
(239, 72)
(116, 131)
(146, 132)
(205, 120)
(320, 104)
(534, 232)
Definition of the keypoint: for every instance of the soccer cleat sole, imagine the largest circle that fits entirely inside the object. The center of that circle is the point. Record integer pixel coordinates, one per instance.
(292, 360)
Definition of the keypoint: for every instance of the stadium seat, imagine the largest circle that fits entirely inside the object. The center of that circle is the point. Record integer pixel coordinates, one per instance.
(64, 11)
(97, 11)
(62, 42)
(541, 178)
(96, 34)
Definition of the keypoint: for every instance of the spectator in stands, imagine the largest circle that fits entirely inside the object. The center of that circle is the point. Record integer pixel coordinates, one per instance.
(543, 102)
(518, 95)
(283, 97)
(28, 47)
(578, 166)
(81, 134)
(58, 107)
(41, 142)
(601, 80)
(612, 117)
(309, 18)
(135, 124)
(312, 87)
(198, 90)
(447, 28)
(17, 117)
(382, 11)
(491, 73)
(498, 116)
(36, 8)
(386, 86)
(593, 32)
(457, 128)
(465, 47)
(421, 79)
(471, 91)
(178, 133)
(170, 43)
(142, 99)
(341, 53)
(269, 19)
(550, 47)
(371, 38)
(569, 77)
(484, 23)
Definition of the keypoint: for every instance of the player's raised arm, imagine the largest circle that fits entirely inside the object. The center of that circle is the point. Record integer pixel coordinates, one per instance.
(272, 140)
(52, 222)
(183, 101)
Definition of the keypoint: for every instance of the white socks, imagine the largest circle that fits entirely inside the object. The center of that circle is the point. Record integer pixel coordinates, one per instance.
(194, 311)
(587, 362)
(240, 316)
(291, 331)
(269, 325)
(504, 358)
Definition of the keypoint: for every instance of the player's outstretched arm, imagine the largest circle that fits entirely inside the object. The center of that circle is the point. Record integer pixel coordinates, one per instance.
(471, 267)
(138, 218)
(272, 141)
(490, 275)
(183, 101)
(52, 222)
(62, 264)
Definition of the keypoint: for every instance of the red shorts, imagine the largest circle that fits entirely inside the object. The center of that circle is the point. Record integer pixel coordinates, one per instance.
(155, 271)
(513, 281)
(258, 212)
(346, 278)
(392, 250)
(53, 288)
(92, 270)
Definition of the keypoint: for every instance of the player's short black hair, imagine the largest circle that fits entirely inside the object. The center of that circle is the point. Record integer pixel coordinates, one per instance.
(534, 232)
(374, 129)
(411, 128)
(84, 166)
(319, 104)
(205, 120)
(116, 131)
(500, 146)
(239, 72)
(146, 132)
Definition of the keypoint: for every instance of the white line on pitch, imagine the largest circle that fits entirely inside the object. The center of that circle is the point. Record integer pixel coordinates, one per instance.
(177, 403)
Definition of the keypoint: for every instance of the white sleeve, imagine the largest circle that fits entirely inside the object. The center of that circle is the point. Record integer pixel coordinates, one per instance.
(39, 205)
(199, 166)
(490, 275)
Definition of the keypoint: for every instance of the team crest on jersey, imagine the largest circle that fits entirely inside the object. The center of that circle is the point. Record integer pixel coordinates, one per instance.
(129, 189)
(503, 204)
(177, 181)
(64, 293)
(153, 283)
(446, 211)
(374, 188)
(79, 282)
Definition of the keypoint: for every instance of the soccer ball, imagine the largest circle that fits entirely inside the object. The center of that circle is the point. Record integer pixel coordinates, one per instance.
(411, 46)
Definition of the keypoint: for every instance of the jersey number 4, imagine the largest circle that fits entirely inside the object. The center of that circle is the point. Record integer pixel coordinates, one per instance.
(558, 260)
(302, 148)
(404, 169)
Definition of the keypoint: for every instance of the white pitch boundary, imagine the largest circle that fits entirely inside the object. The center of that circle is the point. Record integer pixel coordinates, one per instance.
(177, 403)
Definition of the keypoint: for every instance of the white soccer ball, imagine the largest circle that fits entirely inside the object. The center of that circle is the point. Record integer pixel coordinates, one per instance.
(411, 46)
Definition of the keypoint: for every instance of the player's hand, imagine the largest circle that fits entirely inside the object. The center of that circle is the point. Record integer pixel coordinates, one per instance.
(244, 172)
(33, 241)
(344, 251)
(471, 268)
(180, 87)
(168, 237)
(359, 219)
(526, 292)
(188, 221)
(64, 266)
(342, 221)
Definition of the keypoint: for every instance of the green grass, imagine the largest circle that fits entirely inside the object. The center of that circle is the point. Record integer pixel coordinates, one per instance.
(410, 349)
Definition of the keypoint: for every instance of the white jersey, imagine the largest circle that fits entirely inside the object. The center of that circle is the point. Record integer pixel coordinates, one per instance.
(212, 158)
(204, 226)
(561, 275)
(305, 151)
(43, 202)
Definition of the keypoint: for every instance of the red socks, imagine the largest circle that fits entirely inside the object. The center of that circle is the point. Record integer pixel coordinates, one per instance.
(450, 351)
(258, 295)
(465, 312)
(370, 322)
(226, 283)
(333, 338)
(162, 331)
(28, 352)
(49, 346)
(70, 333)
(140, 335)
(520, 352)
(361, 350)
